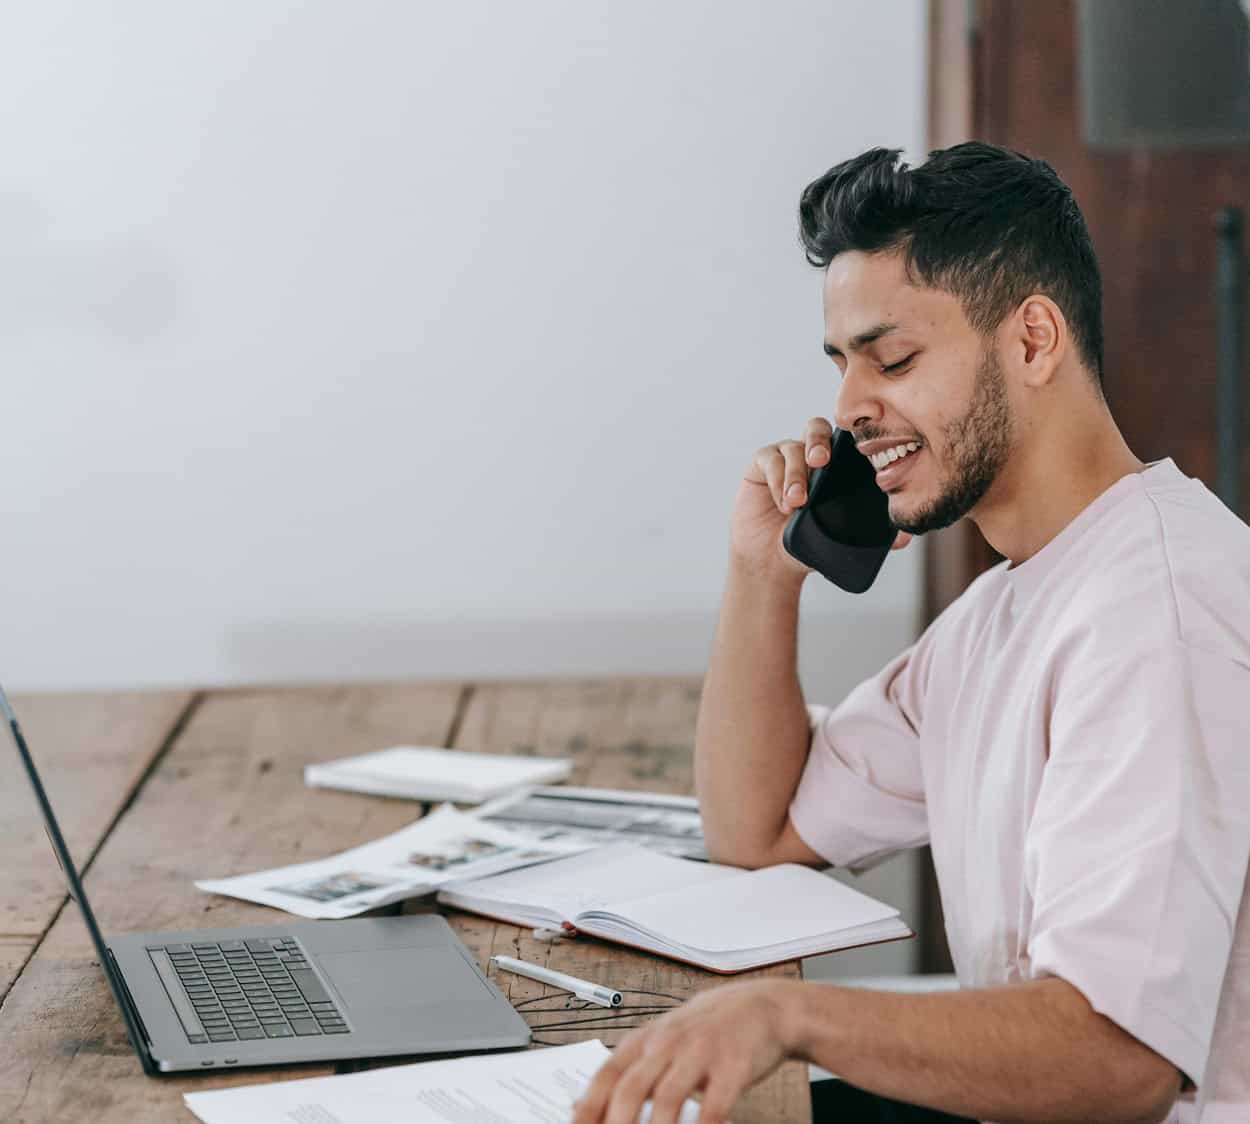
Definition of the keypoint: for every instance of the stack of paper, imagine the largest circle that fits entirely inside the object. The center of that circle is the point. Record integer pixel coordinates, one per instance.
(538, 1086)
(423, 773)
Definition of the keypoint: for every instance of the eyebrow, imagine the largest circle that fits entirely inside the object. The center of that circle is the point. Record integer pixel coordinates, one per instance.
(862, 340)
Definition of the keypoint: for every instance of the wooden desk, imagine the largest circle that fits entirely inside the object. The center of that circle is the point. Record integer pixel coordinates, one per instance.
(156, 789)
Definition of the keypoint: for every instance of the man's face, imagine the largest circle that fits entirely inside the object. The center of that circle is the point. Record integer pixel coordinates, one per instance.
(915, 373)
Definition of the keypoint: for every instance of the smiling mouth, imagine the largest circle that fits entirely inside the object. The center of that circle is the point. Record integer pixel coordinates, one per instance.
(889, 456)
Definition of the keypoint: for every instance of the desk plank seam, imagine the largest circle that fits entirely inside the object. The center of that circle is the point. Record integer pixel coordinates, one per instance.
(457, 719)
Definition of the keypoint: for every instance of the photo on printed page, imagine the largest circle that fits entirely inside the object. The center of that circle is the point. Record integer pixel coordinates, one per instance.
(331, 887)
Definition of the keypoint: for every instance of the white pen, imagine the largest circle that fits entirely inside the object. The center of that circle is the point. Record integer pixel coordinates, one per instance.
(583, 989)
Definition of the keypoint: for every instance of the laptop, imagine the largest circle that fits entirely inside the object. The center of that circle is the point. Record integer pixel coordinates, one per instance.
(310, 991)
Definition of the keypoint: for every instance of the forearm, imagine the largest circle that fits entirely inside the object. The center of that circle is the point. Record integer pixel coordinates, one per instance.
(752, 733)
(1030, 1052)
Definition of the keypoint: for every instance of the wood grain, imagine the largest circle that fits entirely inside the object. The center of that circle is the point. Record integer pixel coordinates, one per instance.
(631, 734)
(91, 749)
(227, 798)
(638, 735)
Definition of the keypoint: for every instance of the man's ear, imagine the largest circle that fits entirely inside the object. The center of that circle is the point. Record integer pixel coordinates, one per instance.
(1039, 338)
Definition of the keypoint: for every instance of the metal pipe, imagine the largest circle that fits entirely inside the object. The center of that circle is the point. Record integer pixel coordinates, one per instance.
(1229, 305)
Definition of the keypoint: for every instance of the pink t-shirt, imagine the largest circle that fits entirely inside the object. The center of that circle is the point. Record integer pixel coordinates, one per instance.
(1072, 738)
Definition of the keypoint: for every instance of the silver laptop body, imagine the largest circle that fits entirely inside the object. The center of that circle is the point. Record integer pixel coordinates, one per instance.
(307, 991)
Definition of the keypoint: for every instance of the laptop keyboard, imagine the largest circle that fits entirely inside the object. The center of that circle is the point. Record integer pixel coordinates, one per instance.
(246, 990)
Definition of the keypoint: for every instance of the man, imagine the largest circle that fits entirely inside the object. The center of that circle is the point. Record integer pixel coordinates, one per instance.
(1072, 735)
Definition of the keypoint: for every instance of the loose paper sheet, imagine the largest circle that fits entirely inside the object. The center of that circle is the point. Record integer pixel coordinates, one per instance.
(591, 817)
(536, 1086)
(418, 859)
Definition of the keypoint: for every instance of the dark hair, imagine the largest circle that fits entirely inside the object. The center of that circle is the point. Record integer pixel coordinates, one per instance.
(983, 223)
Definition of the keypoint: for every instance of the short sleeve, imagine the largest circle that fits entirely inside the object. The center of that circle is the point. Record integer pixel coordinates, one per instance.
(1135, 857)
(861, 794)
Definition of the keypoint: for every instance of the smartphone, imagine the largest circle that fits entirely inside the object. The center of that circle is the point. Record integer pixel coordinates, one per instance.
(844, 530)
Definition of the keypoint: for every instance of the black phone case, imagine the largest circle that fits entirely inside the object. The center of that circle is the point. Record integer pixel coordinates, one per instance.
(843, 531)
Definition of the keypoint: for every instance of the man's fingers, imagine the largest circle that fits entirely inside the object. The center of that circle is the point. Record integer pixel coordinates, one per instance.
(901, 540)
(681, 1079)
(794, 490)
(772, 467)
(724, 1087)
(635, 1086)
(784, 467)
(817, 442)
(594, 1101)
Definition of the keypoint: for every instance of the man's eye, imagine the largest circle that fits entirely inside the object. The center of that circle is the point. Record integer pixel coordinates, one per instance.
(895, 367)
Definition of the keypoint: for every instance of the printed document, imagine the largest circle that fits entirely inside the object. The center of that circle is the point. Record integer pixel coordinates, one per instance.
(577, 818)
(536, 1086)
(416, 860)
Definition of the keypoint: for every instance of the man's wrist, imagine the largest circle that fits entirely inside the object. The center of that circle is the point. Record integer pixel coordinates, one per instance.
(807, 1013)
(775, 578)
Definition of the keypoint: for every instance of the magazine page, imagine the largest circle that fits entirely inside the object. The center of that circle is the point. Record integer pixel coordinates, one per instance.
(418, 859)
(575, 818)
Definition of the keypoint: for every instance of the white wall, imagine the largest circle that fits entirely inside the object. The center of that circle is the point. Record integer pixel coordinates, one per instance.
(385, 338)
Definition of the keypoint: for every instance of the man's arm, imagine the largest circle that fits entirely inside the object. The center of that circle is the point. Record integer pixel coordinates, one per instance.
(752, 734)
(1032, 1052)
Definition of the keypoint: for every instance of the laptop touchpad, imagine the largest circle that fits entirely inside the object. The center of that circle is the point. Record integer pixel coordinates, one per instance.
(401, 977)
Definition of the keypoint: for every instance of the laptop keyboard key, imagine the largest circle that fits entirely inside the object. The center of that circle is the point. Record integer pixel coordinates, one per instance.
(309, 986)
(282, 1031)
(305, 1027)
(247, 1033)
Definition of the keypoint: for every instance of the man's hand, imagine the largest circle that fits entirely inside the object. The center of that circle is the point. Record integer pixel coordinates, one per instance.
(720, 1044)
(774, 485)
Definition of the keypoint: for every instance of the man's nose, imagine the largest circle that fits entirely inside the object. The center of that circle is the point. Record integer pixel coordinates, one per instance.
(856, 405)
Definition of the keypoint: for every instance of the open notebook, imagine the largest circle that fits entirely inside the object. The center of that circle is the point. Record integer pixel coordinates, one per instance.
(716, 917)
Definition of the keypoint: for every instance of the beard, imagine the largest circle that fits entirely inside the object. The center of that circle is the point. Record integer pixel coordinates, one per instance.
(977, 445)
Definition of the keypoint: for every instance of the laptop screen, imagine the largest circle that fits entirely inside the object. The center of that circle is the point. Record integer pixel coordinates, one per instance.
(53, 831)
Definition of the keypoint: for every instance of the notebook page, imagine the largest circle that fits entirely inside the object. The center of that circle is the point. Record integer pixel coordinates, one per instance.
(777, 905)
(593, 879)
